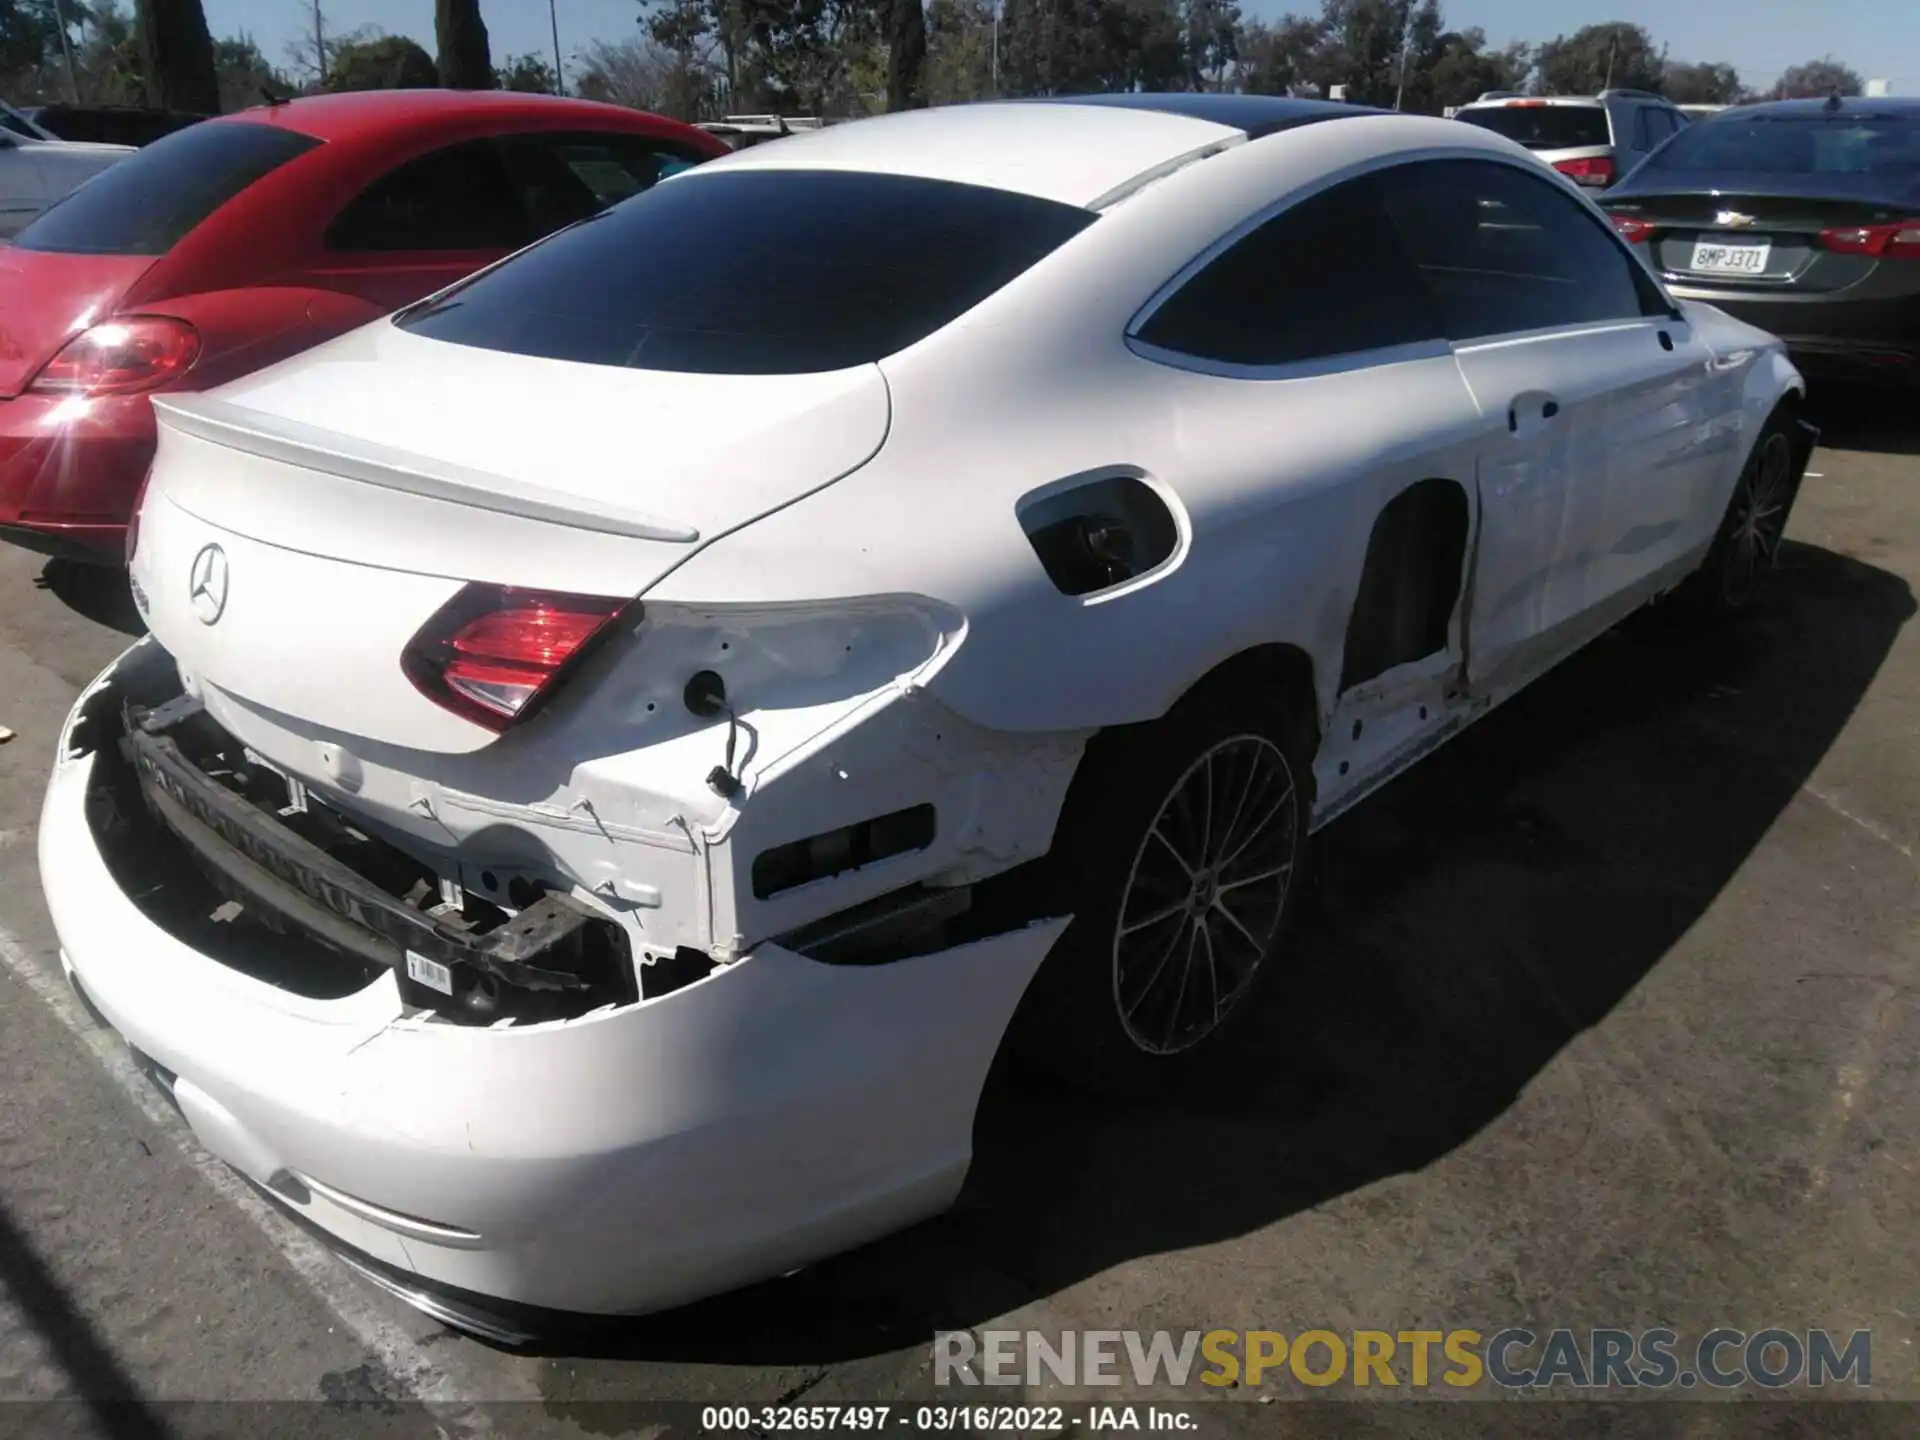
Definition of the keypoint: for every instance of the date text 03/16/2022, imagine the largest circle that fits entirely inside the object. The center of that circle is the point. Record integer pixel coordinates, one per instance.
(1009, 1419)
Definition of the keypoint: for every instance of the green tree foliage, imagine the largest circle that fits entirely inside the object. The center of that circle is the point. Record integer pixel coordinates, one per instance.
(1595, 57)
(460, 35)
(1702, 84)
(1817, 79)
(529, 74)
(245, 78)
(389, 62)
(1280, 59)
(794, 57)
(1211, 42)
(960, 59)
(1460, 69)
(1067, 47)
(28, 32)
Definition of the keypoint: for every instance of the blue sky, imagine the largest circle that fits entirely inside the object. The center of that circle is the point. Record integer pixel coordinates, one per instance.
(1879, 38)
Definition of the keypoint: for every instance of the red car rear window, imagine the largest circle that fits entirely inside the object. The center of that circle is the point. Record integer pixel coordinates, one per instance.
(145, 204)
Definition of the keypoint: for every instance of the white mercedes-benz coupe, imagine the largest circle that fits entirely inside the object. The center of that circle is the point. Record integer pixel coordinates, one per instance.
(624, 743)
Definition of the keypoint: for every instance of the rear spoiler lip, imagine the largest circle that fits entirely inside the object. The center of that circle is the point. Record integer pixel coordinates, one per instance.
(312, 447)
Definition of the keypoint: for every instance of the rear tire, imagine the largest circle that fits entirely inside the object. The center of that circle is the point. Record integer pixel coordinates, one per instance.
(1179, 853)
(1747, 545)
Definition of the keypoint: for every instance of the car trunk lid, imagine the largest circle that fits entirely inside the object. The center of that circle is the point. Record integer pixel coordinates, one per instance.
(355, 490)
(1761, 236)
(48, 298)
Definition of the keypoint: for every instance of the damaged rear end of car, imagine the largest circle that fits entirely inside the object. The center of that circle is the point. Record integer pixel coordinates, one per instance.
(511, 926)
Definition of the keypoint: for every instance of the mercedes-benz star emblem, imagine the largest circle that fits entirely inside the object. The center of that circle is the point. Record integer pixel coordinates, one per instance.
(207, 584)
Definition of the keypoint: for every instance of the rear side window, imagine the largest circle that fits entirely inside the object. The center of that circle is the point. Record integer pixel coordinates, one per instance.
(1799, 145)
(459, 198)
(146, 203)
(500, 193)
(756, 272)
(616, 167)
(1503, 251)
(1541, 126)
(1325, 277)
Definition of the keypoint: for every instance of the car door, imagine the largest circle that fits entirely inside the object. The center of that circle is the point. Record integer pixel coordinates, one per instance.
(1325, 452)
(1595, 406)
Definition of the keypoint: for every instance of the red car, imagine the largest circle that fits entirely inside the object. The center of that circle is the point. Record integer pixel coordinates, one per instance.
(239, 241)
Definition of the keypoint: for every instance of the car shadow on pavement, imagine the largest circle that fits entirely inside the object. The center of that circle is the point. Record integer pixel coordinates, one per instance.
(103, 1388)
(1880, 422)
(98, 592)
(1463, 926)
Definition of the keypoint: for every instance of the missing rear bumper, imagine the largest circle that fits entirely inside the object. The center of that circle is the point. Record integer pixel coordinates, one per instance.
(328, 885)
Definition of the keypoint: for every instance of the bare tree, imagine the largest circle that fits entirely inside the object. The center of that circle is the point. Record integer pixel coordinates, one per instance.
(638, 73)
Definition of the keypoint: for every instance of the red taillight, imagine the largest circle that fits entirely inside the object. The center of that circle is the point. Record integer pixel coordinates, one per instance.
(1632, 231)
(492, 652)
(1596, 170)
(1899, 240)
(121, 357)
(133, 516)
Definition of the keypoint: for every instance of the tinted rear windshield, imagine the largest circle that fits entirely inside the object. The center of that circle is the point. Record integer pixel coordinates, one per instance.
(759, 272)
(1797, 145)
(144, 204)
(1543, 127)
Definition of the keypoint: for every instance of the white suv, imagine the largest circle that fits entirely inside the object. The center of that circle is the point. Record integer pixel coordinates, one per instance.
(1594, 140)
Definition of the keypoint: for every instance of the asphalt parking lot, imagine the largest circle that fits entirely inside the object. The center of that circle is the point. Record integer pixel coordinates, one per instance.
(1604, 1016)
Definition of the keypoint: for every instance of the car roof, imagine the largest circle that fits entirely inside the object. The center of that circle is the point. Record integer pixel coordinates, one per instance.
(1255, 115)
(1893, 106)
(351, 114)
(1075, 150)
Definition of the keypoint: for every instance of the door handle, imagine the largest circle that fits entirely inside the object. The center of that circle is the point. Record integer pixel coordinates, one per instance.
(1534, 402)
(1666, 341)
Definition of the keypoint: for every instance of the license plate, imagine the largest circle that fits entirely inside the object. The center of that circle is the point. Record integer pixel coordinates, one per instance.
(1717, 257)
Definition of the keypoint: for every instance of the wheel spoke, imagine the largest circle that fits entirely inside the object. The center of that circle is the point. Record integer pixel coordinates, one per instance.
(1274, 873)
(1173, 850)
(1258, 828)
(1213, 970)
(1159, 968)
(1180, 995)
(1259, 947)
(1206, 810)
(1164, 913)
(1239, 808)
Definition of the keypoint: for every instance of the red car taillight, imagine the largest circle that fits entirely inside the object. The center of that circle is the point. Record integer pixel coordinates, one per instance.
(1899, 240)
(1632, 231)
(493, 652)
(1595, 171)
(121, 357)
